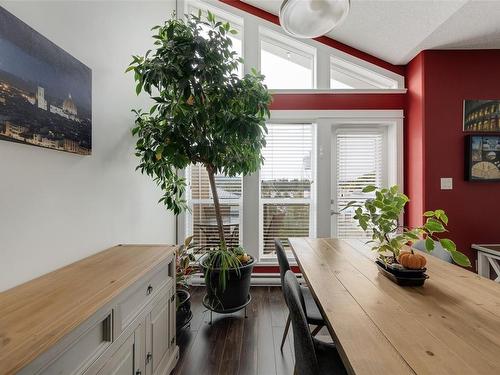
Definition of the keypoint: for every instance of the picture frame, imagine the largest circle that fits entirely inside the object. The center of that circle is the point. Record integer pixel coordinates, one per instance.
(45, 93)
(482, 157)
(481, 116)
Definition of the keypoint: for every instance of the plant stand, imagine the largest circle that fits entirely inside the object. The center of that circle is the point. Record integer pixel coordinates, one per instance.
(185, 325)
(225, 311)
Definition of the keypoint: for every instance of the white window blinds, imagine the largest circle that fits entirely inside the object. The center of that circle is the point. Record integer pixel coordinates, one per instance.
(285, 186)
(360, 162)
(201, 221)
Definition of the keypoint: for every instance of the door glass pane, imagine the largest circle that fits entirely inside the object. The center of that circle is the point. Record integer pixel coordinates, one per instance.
(359, 163)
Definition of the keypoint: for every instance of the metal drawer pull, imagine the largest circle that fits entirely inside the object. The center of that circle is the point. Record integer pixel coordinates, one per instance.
(172, 299)
(149, 290)
(149, 356)
(138, 372)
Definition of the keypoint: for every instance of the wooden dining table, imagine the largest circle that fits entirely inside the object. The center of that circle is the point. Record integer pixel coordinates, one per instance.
(451, 325)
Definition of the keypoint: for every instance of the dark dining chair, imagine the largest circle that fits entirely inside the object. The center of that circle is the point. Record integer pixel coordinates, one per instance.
(312, 356)
(313, 315)
(438, 251)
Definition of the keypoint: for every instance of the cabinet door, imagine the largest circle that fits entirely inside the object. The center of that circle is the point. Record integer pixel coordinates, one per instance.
(172, 328)
(129, 358)
(157, 335)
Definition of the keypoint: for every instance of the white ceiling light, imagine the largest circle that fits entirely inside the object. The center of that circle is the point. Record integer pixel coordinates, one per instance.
(312, 18)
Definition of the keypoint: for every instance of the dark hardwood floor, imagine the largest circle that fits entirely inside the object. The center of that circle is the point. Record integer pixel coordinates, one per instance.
(234, 345)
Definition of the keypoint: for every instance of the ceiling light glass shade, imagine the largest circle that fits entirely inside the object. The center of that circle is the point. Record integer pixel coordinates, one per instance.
(312, 18)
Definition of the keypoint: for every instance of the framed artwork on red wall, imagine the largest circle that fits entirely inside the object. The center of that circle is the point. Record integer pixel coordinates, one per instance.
(482, 116)
(482, 158)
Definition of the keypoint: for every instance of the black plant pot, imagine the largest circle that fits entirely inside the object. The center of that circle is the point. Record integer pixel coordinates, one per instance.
(237, 292)
(403, 276)
(183, 314)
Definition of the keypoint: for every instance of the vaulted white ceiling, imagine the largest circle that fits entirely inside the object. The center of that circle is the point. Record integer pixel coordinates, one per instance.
(397, 30)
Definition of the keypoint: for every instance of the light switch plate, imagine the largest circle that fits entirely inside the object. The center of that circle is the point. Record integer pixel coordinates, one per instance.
(446, 183)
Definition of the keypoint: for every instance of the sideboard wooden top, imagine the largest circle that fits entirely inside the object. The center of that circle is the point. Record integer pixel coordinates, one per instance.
(34, 316)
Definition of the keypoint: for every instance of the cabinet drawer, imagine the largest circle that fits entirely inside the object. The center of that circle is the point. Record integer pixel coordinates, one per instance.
(89, 346)
(135, 299)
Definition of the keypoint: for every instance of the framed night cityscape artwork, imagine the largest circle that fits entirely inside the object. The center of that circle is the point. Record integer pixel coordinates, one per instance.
(482, 116)
(482, 158)
(45, 93)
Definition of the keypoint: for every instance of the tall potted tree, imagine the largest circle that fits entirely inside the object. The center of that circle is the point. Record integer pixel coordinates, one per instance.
(203, 113)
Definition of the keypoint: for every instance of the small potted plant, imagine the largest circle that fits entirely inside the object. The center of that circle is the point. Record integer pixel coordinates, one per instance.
(203, 113)
(380, 216)
(185, 267)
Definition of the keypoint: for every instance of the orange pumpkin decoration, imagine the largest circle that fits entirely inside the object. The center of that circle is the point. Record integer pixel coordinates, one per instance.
(412, 260)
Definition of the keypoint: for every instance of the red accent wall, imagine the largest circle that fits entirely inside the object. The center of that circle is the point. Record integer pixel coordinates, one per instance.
(414, 142)
(324, 39)
(441, 80)
(272, 269)
(338, 101)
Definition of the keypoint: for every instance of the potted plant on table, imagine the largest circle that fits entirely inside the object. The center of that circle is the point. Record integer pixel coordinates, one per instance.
(205, 114)
(379, 216)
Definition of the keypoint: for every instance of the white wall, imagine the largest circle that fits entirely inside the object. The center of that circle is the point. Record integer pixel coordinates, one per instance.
(56, 207)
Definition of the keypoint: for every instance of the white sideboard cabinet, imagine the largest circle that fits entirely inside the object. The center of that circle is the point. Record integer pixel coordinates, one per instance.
(111, 313)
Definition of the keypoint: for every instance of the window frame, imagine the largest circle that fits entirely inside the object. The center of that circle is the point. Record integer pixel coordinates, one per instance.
(288, 43)
(371, 77)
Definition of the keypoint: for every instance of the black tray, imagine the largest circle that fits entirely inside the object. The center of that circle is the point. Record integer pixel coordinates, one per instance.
(403, 277)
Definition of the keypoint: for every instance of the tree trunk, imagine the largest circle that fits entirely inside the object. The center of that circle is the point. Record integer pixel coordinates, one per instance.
(215, 195)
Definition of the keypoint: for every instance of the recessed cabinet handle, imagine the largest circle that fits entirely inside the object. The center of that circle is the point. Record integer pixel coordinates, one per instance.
(138, 372)
(149, 356)
(172, 299)
(172, 341)
(149, 290)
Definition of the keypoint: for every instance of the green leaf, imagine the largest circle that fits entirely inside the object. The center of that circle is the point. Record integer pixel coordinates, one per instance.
(429, 213)
(138, 88)
(411, 235)
(434, 226)
(444, 218)
(441, 215)
(429, 244)
(188, 240)
(368, 189)
(448, 244)
(460, 259)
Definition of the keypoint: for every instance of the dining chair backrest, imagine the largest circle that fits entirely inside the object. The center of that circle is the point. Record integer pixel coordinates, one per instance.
(282, 259)
(438, 251)
(306, 362)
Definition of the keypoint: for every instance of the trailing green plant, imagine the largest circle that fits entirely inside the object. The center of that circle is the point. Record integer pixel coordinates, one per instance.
(202, 113)
(380, 216)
